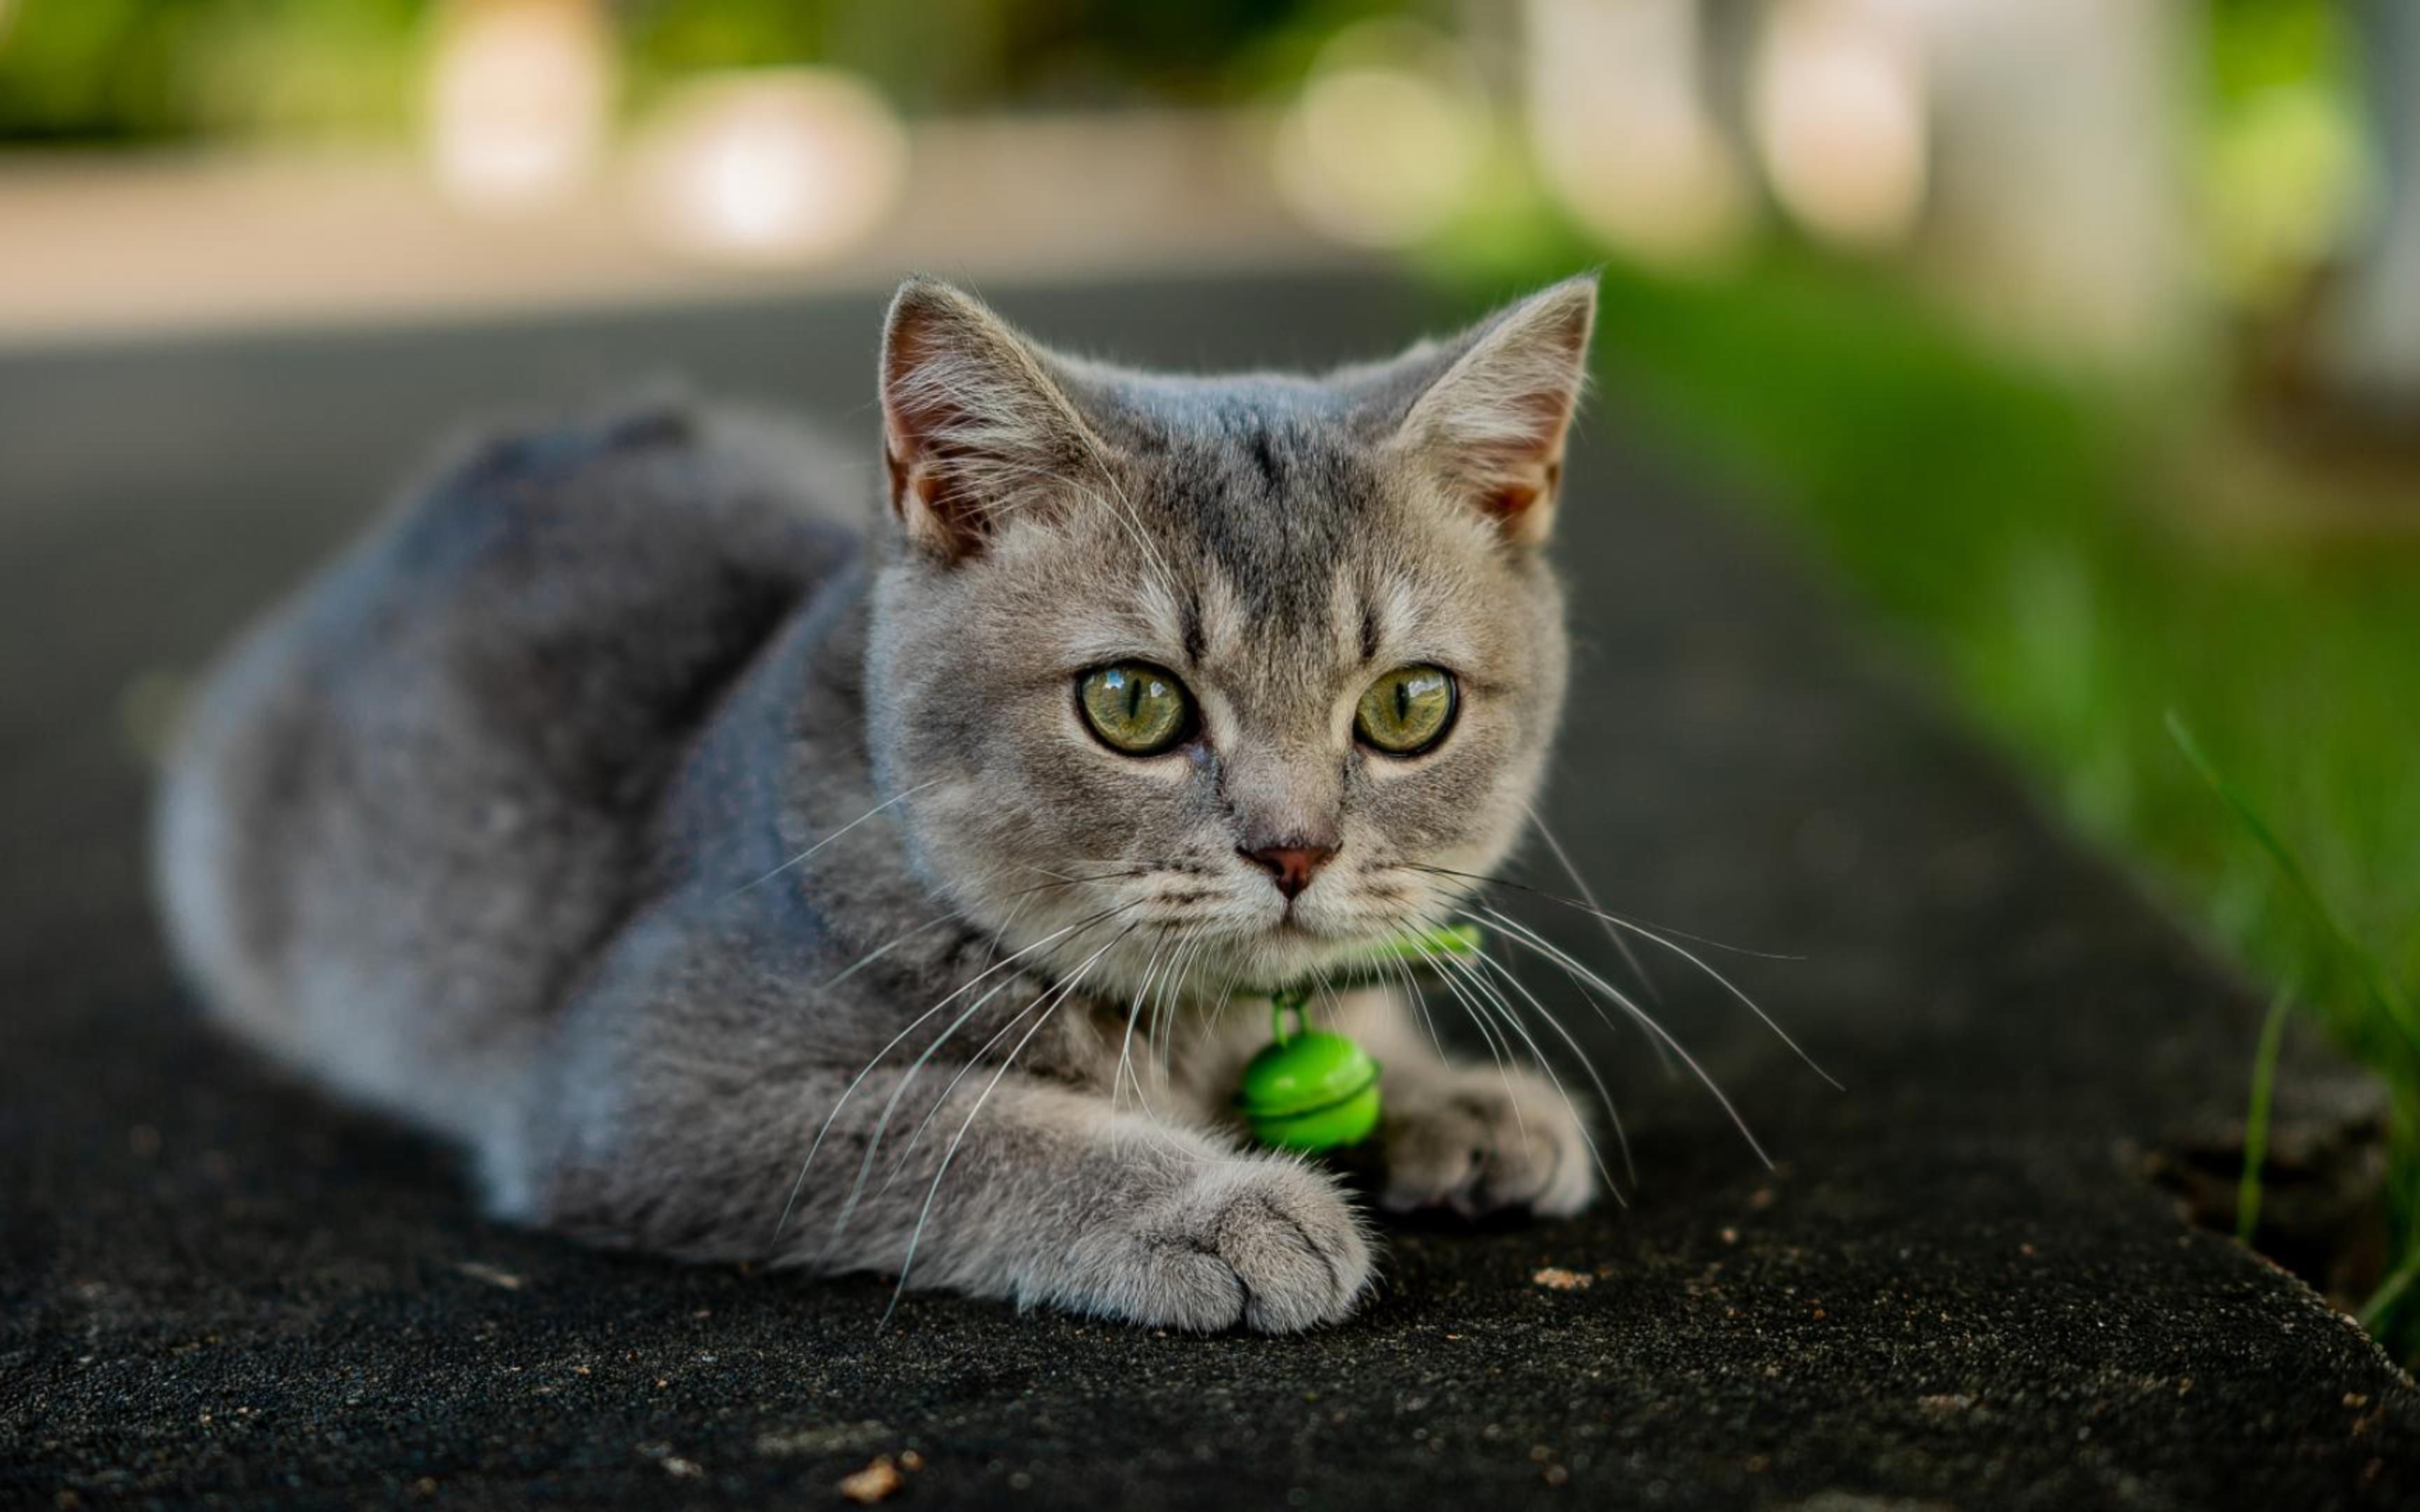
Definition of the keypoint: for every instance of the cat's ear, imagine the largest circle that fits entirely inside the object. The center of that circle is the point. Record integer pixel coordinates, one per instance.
(973, 425)
(1490, 426)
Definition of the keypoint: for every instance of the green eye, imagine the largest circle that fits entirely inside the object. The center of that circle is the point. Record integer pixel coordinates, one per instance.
(1135, 707)
(1408, 710)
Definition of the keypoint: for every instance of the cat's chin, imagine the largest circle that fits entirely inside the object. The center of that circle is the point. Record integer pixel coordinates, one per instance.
(1245, 963)
(1290, 952)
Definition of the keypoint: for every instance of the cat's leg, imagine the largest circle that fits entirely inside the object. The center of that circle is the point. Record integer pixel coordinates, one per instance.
(1475, 1137)
(1016, 1188)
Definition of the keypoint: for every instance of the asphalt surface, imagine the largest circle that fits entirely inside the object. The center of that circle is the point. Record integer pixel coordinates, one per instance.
(1959, 1286)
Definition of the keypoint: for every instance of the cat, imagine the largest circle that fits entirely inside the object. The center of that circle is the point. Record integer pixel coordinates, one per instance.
(738, 877)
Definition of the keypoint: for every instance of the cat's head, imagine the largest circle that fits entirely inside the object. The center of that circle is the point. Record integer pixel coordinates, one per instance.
(1238, 676)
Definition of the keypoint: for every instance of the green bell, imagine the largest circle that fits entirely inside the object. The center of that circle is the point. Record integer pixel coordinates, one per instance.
(1312, 1091)
(1308, 1089)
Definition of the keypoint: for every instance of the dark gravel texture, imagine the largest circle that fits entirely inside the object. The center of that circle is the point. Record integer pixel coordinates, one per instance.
(1959, 1287)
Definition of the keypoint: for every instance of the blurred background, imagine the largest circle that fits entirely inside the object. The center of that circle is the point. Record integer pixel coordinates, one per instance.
(2081, 338)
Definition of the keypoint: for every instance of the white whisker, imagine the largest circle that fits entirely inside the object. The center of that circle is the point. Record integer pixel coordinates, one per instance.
(1605, 1094)
(802, 855)
(1629, 956)
(1486, 1031)
(924, 1214)
(872, 956)
(874, 1141)
(1531, 938)
(1734, 989)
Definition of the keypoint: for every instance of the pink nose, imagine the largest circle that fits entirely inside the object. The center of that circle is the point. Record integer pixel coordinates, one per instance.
(1291, 867)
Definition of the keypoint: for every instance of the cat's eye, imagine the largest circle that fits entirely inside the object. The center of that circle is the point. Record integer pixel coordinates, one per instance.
(1406, 711)
(1135, 707)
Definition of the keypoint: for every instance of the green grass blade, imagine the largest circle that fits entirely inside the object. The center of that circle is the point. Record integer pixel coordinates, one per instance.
(2384, 993)
(2256, 1118)
(2382, 1303)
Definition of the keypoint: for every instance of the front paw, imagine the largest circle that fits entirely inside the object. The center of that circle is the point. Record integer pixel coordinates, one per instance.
(1268, 1243)
(1478, 1140)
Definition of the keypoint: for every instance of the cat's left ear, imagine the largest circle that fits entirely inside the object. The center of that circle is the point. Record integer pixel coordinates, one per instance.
(975, 426)
(1490, 427)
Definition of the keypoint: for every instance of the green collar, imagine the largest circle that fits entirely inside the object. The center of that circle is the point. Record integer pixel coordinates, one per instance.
(1381, 966)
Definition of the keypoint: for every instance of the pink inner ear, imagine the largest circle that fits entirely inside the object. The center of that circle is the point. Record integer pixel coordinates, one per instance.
(1511, 502)
(936, 523)
(950, 521)
(927, 466)
(1493, 424)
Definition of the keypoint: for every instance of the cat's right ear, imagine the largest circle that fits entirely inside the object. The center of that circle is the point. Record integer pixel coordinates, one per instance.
(973, 425)
(1491, 425)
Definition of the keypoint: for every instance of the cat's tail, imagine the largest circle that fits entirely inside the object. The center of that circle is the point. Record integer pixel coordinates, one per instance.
(198, 856)
(241, 850)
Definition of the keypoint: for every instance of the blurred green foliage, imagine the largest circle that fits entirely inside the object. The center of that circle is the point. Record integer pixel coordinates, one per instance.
(2265, 44)
(2282, 176)
(117, 70)
(964, 55)
(134, 71)
(151, 70)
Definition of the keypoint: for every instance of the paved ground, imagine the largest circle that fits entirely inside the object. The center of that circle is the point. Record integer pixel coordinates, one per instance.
(1959, 1288)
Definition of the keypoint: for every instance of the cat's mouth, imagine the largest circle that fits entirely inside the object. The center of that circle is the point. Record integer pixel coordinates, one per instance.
(1294, 947)
(1307, 929)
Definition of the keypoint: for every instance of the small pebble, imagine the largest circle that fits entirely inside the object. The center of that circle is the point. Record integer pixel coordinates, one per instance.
(1555, 1278)
(877, 1482)
(494, 1276)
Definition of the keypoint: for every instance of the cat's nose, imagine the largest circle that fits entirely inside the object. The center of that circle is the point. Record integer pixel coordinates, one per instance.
(1291, 867)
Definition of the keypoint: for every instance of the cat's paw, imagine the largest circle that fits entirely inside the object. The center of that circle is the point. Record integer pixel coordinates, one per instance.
(1478, 1140)
(1265, 1244)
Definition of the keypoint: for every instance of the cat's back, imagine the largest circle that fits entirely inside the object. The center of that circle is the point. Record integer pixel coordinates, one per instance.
(414, 799)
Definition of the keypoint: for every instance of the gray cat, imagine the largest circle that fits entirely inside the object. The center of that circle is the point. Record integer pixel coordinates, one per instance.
(735, 886)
